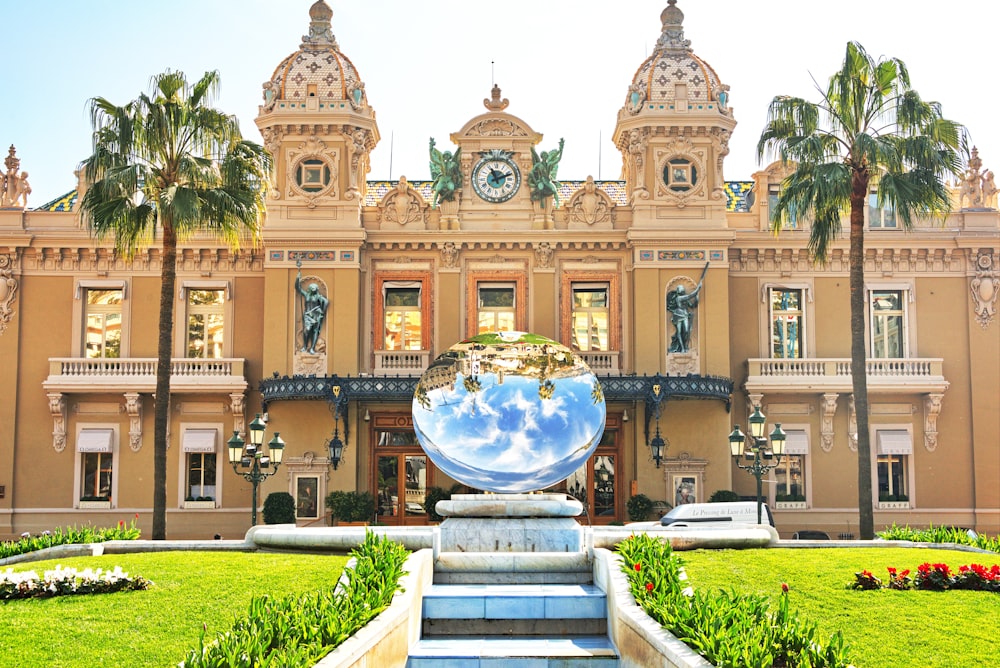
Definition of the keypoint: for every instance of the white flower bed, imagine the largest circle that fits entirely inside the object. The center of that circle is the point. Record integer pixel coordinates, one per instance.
(66, 581)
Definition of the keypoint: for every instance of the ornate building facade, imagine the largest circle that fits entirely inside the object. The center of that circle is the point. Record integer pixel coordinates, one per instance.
(668, 282)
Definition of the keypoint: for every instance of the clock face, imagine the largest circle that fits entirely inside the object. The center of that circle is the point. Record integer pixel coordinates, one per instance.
(496, 179)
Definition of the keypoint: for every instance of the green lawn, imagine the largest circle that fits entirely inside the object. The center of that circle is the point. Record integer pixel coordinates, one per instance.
(894, 629)
(158, 626)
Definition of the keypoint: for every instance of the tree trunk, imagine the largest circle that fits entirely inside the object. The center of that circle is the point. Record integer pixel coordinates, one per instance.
(161, 404)
(859, 198)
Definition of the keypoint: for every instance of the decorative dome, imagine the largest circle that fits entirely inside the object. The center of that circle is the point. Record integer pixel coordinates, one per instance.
(655, 85)
(318, 69)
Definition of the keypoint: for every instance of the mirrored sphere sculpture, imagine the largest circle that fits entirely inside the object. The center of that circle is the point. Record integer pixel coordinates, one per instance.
(509, 412)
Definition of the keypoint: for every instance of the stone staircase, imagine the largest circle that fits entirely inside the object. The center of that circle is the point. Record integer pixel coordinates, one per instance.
(533, 624)
(513, 586)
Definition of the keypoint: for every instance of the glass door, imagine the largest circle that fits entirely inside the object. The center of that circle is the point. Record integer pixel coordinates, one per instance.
(401, 471)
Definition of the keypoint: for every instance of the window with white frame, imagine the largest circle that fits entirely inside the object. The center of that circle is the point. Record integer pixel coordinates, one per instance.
(206, 323)
(102, 322)
(787, 323)
(200, 450)
(403, 315)
(887, 319)
(790, 474)
(95, 447)
(590, 317)
(894, 451)
(880, 217)
(496, 307)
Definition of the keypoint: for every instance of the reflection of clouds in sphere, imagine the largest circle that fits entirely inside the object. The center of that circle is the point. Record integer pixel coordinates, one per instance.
(531, 416)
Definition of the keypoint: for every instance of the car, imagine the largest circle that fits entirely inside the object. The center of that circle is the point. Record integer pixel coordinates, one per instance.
(414, 508)
(715, 515)
(810, 535)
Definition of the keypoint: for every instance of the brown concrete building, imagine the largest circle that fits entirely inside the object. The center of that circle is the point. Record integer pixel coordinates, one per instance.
(404, 279)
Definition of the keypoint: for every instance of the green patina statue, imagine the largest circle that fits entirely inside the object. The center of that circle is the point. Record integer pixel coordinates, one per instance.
(446, 174)
(542, 177)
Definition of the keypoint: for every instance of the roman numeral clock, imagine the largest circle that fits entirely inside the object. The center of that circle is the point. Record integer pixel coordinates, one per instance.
(496, 178)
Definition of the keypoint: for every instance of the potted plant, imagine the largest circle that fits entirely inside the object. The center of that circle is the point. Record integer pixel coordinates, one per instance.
(639, 507)
(279, 508)
(348, 508)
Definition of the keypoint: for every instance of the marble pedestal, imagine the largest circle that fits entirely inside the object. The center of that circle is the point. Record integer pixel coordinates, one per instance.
(510, 523)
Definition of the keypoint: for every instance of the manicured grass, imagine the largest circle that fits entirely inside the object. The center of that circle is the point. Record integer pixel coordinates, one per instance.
(918, 629)
(155, 627)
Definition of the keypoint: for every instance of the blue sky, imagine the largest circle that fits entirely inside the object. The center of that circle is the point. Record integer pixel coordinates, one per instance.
(565, 65)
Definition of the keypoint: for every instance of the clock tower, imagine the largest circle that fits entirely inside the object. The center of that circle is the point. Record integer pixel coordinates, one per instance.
(496, 160)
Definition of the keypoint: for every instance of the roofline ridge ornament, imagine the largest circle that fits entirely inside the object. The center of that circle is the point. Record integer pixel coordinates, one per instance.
(672, 37)
(495, 103)
(320, 29)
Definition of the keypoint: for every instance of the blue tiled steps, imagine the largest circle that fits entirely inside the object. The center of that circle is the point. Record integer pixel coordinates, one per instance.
(515, 626)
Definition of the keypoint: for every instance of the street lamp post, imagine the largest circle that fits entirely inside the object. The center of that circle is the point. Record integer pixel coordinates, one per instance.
(755, 447)
(251, 458)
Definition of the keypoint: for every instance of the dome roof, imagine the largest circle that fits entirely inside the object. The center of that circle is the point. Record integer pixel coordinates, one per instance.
(317, 69)
(655, 84)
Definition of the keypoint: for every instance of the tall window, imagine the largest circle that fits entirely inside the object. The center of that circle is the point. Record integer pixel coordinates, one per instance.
(887, 318)
(786, 323)
(403, 318)
(206, 323)
(883, 217)
(401, 312)
(96, 450)
(199, 447)
(496, 310)
(103, 324)
(790, 474)
(894, 448)
(791, 220)
(590, 317)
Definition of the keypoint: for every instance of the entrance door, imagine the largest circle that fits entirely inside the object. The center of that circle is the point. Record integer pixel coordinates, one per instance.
(401, 471)
(597, 484)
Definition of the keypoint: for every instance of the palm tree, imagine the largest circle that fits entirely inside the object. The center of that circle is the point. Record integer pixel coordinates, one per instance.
(871, 129)
(169, 164)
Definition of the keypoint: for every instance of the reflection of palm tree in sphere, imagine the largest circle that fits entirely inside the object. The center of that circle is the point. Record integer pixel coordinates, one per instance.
(597, 393)
(472, 384)
(421, 396)
(546, 388)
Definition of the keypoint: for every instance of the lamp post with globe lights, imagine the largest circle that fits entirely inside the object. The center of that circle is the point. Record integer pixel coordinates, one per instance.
(251, 459)
(754, 447)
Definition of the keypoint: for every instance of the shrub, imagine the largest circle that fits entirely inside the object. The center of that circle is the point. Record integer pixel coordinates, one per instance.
(69, 536)
(726, 628)
(279, 508)
(350, 506)
(639, 507)
(301, 630)
(435, 494)
(933, 534)
(723, 496)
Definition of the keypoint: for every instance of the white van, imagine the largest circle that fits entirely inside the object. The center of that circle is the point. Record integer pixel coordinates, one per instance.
(715, 515)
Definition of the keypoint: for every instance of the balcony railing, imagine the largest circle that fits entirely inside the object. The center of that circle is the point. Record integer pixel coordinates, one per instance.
(74, 374)
(834, 375)
(401, 362)
(602, 362)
